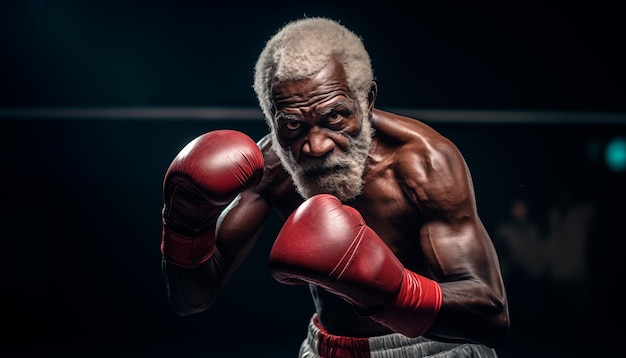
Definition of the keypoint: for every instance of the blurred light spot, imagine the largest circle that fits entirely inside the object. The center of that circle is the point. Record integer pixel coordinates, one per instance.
(615, 154)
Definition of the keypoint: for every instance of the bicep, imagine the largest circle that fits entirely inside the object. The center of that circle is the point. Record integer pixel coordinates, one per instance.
(452, 236)
(456, 244)
(459, 251)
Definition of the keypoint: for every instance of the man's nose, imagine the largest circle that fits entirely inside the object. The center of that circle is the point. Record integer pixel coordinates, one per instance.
(318, 143)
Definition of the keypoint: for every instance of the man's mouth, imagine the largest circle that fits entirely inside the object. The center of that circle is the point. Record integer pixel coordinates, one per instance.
(322, 171)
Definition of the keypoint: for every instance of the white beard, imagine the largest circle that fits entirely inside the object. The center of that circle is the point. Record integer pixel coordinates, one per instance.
(340, 174)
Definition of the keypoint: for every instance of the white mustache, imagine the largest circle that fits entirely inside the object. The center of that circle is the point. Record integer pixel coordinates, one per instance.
(319, 166)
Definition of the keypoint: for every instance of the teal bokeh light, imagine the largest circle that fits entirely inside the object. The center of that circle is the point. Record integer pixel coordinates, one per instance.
(615, 154)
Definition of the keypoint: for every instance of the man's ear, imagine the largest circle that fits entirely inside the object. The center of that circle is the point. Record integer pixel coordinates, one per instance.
(371, 96)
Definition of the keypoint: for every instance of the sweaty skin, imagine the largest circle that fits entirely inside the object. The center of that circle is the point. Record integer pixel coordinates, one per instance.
(417, 196)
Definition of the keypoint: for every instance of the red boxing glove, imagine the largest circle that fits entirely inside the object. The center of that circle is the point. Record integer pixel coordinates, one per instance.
(201, 180)
(328, 244)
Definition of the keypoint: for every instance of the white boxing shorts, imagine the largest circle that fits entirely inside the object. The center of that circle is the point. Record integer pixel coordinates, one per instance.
(321, 344)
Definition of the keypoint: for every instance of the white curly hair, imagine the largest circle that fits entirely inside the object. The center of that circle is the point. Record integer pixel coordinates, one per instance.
(301, 49)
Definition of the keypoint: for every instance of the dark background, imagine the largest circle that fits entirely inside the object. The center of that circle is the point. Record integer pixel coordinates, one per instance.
(81, 196)
(539, 55)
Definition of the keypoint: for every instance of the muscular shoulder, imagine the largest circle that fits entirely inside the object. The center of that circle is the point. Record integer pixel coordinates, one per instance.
(428, 166)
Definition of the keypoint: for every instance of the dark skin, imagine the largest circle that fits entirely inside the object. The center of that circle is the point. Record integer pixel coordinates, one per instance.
(418, 197)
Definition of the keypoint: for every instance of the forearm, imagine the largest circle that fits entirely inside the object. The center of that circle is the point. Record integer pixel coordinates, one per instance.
(471, 312)
(193, 290)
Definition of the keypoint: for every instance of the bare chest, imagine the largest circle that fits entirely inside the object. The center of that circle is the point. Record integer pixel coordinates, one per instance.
(386, 209)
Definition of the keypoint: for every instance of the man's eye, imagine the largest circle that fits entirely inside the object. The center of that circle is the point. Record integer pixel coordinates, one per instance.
(293, 125)
(334, 118)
